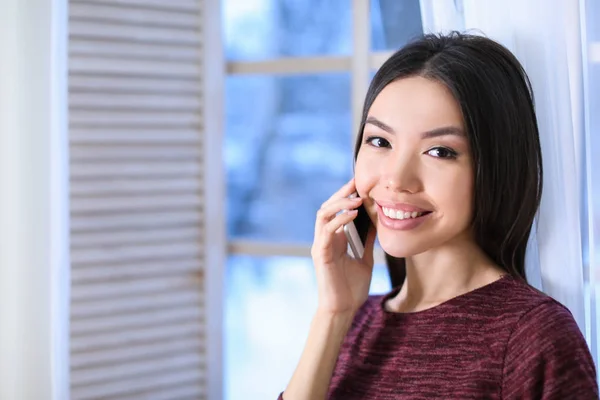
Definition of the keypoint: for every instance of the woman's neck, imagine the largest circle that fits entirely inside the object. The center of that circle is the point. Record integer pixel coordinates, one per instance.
(441, 274)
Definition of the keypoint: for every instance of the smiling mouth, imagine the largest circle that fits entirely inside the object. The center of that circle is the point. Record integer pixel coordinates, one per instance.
(402, 215)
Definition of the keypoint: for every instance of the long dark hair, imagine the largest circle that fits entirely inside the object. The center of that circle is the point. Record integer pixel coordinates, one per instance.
(496, 100)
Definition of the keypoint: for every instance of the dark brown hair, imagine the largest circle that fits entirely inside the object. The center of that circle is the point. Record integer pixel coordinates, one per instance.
(496, 100)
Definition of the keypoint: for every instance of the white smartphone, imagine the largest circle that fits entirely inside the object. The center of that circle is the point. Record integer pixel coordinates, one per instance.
(356, 231)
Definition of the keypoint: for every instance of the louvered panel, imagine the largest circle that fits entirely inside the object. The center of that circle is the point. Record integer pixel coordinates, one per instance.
(137, 101)
(133, 337)
(139, 320)
(134, 169)
(143, 136)
(121, 186)
(86, 29)
(136, 303)
(96, 256)
(176, 392)
(135, 114)
(126, 237)
(128, 153)
(142, 153)
(149, 383)
(123, 67)
(83, 326)
(133, 270)
(127, 84)
(132, 15)
(142, 202)
(89, 124)
(125, 288)
(113, 222)
(140, 351)
(192, 6)
(136, 50)
(172, 361)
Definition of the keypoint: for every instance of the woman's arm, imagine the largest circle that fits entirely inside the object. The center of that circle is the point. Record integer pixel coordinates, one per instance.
(313, 373)
(343, 287)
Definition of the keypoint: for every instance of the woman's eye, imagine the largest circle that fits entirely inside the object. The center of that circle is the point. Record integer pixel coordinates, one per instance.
(376, 141)
(442, 152)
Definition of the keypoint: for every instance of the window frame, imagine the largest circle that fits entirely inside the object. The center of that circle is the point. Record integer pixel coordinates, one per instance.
(214, 230)
(358, 64)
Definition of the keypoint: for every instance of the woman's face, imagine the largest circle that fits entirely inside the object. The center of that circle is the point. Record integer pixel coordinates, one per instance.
(414, 167)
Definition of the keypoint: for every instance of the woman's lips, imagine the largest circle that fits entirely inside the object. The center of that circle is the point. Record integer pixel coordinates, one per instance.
(401, 224)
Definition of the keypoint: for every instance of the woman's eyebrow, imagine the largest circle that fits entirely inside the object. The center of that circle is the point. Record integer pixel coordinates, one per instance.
(443, 131)
(380, 125)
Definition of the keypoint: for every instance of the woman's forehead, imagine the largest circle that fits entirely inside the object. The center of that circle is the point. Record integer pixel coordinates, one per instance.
(416, 104)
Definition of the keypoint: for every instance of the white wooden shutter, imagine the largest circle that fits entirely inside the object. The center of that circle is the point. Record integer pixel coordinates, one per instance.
(137, 303)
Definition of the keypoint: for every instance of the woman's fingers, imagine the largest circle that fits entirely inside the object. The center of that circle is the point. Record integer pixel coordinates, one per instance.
(328, 211)
(339, 221)
(331, 228)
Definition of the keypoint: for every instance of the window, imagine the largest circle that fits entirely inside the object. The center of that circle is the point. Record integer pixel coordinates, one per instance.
(295, 87)
(288, 144)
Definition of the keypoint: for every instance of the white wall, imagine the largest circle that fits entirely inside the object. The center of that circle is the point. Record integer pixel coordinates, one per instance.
(33, 201)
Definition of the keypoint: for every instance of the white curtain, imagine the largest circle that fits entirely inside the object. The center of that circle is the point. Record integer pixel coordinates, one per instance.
(551, 39)
(590, 21)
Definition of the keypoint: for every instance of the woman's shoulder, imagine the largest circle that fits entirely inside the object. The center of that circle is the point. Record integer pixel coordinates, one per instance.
(546, 351)
(549, 323)
(514, 299)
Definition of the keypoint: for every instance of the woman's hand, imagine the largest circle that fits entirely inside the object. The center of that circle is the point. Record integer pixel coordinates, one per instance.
(343, 282)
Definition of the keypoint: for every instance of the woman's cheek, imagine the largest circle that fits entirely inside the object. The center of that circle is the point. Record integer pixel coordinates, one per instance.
(453, 193)
(365, 175)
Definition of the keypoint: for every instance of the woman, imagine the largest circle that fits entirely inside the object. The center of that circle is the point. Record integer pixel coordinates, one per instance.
(448, 167)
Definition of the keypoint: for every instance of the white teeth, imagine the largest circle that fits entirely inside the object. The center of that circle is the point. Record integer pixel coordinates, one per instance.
(394, 214)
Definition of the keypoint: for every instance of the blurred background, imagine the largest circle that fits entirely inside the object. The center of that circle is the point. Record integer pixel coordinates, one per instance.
(165, 192)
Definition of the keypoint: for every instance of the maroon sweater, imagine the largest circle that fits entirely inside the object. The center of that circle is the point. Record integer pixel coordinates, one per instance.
(502, 341)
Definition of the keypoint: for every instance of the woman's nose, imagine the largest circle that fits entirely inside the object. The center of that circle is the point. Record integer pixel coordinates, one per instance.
(401, 174)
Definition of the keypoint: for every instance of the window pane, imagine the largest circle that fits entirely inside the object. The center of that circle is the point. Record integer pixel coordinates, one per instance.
(269, 306)
(288, 148)
(394, 23)
(263, 29)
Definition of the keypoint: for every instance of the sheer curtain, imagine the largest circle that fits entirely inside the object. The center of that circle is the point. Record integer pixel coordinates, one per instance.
(590, 21)
(555, 42)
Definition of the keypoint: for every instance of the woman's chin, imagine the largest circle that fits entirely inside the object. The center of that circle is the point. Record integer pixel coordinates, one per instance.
(402, 250)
